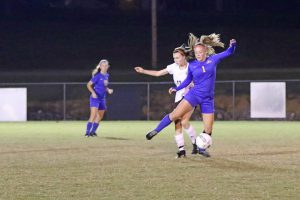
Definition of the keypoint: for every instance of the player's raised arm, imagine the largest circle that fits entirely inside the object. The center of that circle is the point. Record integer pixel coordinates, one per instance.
(227, 52)
(156, 73)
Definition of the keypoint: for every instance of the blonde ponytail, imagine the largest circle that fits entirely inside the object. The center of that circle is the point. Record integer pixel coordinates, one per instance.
(209, 41)
(212, 40)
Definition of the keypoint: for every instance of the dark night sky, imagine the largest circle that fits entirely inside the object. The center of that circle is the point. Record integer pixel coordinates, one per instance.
(65, 34)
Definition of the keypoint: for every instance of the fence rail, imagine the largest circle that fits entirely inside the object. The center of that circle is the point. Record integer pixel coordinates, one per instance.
(143, 100)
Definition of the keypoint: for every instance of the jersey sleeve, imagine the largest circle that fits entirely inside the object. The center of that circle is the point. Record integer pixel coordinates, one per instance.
(228, 52)
(170, 69)
(94, 79)
(187, 81)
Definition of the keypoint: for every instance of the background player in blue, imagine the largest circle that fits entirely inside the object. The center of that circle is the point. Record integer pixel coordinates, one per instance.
(202, 72)
(179, 70)
(98, 88)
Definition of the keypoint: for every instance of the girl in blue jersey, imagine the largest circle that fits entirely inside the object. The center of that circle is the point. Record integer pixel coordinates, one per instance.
(202, 71)
(179, 71)
(98, 88)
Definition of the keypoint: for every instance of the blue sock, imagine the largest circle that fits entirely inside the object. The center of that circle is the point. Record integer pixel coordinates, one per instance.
(95, 126)
(163, 123)
(88, 128)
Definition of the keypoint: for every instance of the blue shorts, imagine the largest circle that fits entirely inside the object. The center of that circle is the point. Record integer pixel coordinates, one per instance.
(98, 103)
(206, 102)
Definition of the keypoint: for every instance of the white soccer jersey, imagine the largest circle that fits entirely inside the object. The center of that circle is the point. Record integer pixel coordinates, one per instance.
(179, 75)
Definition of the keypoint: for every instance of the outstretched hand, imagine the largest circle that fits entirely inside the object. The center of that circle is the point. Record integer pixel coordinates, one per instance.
(171, 90)
(139, 69)
(110, 91)
(232, 41)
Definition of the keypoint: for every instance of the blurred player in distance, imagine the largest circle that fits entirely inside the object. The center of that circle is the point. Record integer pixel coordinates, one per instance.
(98, 87)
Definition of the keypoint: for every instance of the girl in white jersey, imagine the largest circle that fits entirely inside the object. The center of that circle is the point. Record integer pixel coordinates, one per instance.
(179, 70)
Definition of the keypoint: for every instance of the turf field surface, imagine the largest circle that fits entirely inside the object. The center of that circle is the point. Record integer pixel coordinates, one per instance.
(52, 160)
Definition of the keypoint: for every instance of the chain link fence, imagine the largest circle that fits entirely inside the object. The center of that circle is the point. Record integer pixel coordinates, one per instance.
(142, 100)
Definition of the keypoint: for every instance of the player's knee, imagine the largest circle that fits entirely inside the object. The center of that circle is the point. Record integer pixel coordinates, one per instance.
(185, 124)
(174, 116)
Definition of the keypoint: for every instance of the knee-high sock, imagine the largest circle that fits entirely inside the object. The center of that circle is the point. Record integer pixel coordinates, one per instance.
(163, 123)
(95, 126)
(192, 133)
(88, 128)
(180, 141)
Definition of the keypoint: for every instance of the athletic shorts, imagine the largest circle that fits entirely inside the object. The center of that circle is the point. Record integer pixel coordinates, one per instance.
(206, 102)
(98, 103)
(175, 104)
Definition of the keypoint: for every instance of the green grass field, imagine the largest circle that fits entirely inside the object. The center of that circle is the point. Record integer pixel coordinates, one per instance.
(52, 160)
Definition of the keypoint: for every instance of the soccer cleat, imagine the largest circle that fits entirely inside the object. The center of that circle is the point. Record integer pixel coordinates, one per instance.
(87, 135)
(181, 154)
(151, 134)
(203, 152)
(195, 149)
(93, 134)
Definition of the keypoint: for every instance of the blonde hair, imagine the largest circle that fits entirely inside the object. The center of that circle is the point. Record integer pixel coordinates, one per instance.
(97, 68)
(208, 41)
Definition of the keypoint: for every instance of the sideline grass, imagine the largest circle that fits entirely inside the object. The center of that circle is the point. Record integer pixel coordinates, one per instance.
(52, 160)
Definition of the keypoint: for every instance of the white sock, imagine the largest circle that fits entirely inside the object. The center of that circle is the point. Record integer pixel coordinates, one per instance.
(180, 141)
(192, 133)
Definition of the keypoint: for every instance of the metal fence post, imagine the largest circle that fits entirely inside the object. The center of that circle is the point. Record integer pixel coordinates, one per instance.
(148, 101)
(64, 101)
(233, 100)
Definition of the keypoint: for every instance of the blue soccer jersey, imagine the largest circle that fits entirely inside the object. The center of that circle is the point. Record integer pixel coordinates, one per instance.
(100, 83)
(203, 74)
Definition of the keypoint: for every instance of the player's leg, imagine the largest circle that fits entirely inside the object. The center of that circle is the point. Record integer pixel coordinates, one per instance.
(183, 107)
(99, 117)
(207, 108)
(189, 129)
(179, 139)
(93, 114)
(100, 113)
(208, 122)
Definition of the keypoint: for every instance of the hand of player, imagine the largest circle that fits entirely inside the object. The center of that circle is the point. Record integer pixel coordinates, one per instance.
(94, 95)
(110, 91)
(139, 69)
(232, 41)
(171, 90)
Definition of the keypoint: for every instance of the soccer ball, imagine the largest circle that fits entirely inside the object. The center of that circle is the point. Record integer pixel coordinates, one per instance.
(203, 141)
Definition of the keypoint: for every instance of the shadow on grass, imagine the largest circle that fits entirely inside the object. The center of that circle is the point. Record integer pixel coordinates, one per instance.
(115, 138)
(237, 165)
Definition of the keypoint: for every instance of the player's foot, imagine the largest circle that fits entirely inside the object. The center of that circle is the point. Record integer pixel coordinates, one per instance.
(195, 149)
(151, 134)
(93, 134)
(87, 135)
(181, 154)
(204, 153)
